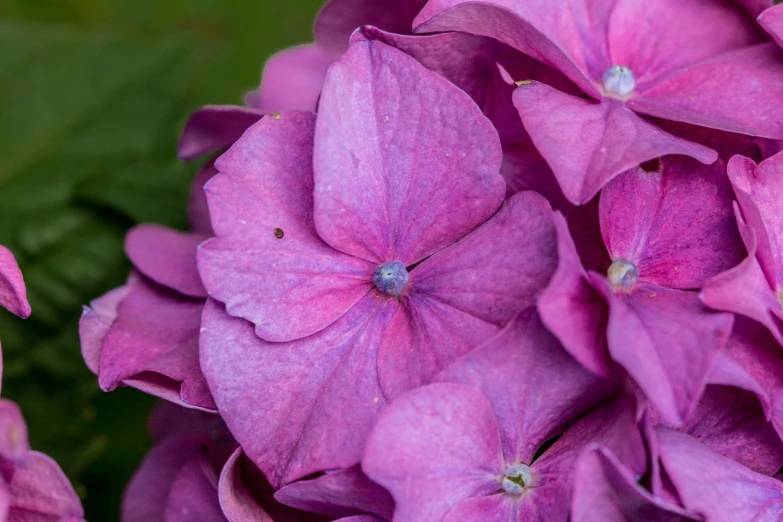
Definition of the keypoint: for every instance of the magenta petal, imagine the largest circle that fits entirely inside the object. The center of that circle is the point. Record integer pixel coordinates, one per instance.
(96, 321)
(607, 491)
(462, 295)
(405, 162)
(759, 190)
(492, 507)
(292, 79)
(705, 94)
(13, 294)
(755, 7)
(549, 32)
(572, 309)
(13, 432)
(666, 340)
(731, 491)
(359, 518)
(40, 491)
(772, 21)
(675, 224)
(153, 345)
(193, 498)
(339, 18)
(534, 386)
(198, 211)
(731, 422)
(166, 256)
(313, 400)
(213, 128)
(147, 494)
(434, 447)
(587, 143)
(267, 264)
(339, 493)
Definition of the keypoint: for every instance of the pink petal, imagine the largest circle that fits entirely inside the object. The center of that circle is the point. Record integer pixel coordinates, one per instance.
(96, 321)
(292, 79)
(755, 7)
(13, 432)
(213, 128)
(13, 294)
(434, 447)
(675, 224)
(339, 493)
(733, 492)
(267, 263)
(193, 498)
(339, 18)
(606, 491)
(666, 340)
(534, 386)
(573, 310)
(313, 400)
(772, 20)
(705, 94)
(198, 211)
(153, 344)
(465, 293)
(381, 117)
(744, 289)
(759, 190)
(166, 256)
(492, 507)
(41, 491)
(588, 143)
(147, 494)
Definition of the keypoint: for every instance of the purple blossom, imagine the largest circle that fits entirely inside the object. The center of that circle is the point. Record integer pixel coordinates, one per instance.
(366, 202)
(13, 293)
(672, 60)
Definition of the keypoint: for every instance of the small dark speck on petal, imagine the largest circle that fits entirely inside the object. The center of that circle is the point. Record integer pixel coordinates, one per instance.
(279, 233)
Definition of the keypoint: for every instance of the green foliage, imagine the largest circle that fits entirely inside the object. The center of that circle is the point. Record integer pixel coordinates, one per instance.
(93, 95)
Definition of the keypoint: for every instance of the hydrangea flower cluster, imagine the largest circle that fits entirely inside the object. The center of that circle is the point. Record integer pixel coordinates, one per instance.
(471, 261)
(32, 486)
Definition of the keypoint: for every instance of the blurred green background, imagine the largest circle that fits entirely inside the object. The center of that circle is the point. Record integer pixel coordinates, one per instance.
(93, 94)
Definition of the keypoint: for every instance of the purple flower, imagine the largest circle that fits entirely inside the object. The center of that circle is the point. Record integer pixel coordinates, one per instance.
(682, 61)
(754, 288)
(403, 174)
(471, 447)
(13, 294)
(772, 21)
(668, 227)
(32, 485)
(146, 333)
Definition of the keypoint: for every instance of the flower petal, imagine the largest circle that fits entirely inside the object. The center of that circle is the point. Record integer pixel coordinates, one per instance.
(96, 321)
(339, 493)
(405, 163)
(292, 79)
(193, 497)
(705, 94)
(606, 491)
(675, 224)
(153, 345)
(666, 340)
(733, 492)
(39, 488)
(14, 446)
(534, 386)
(339, 18)
(588, 143)
(313, 400)
(573, 310)
(464, 294)
(166, 256)
(772, 20)
(434, 447)
(213, 128)
(13, 294)
(198, 210)
(267, 264)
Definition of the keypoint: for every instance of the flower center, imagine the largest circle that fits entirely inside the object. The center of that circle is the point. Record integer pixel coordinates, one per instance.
(517, 478)
(618, 81)
(390, 278)
(622, 274)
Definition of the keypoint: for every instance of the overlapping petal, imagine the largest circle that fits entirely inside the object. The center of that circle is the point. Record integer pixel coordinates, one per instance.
(13, 293)
(213, 128)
